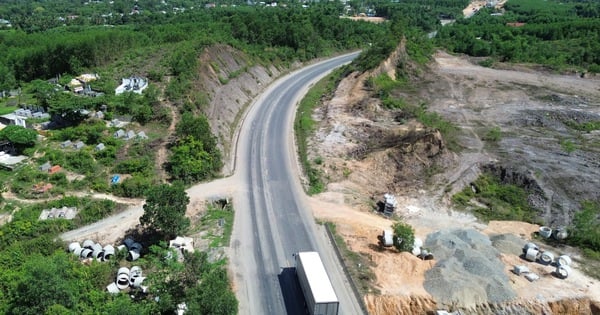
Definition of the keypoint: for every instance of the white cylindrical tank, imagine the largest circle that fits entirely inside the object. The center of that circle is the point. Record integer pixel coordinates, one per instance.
(73, 246)
(88, 244)
(531, 254)
(545, 232)
(546, 258)
(563, 271)
(563, 260)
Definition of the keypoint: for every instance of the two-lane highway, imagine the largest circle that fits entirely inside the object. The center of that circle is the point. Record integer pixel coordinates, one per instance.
(272, 220)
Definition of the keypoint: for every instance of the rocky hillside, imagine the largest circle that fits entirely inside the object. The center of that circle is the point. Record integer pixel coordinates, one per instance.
(367, 150)
(231, 80)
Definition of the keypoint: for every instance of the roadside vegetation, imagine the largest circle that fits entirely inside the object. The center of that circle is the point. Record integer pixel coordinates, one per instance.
(304, 127)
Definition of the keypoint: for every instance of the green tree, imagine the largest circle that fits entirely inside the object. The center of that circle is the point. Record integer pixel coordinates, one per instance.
(20, 137)
(191, 162)
(585, 231)
(404, 236)
(165, 208)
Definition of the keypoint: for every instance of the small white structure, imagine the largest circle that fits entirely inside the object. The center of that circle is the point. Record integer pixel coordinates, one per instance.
(182, 244)
(142, 135)
(132, 84)
(387, 238)
(59, 213)
(130, 135)
(99, 147)
(390, 204)
(45, 167)
(78, 145)
(65, 144)
(119, 133)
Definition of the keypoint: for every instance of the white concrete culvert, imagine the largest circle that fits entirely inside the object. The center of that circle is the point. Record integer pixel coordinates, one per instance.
(468, 271)
(546, 258)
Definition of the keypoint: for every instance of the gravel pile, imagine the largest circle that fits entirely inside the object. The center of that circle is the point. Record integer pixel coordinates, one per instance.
(468, 271)
(508, 244)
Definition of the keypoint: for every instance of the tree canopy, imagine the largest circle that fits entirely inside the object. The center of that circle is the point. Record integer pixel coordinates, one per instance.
(164, 210)
(20, 137)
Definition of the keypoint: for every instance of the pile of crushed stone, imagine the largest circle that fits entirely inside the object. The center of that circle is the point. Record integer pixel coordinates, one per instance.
(468, 271)
(508, 243)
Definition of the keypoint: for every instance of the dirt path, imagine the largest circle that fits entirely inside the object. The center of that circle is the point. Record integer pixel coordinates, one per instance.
(161, 154)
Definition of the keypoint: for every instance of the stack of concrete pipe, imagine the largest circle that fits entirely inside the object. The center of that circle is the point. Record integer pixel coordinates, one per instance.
(123, 278)
(127, 278)
(531, 251)
(563, 262)
(134, 248)
(91, 250)
(563, 266)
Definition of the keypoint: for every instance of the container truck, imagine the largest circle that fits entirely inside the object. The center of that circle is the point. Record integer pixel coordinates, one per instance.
(318, 291)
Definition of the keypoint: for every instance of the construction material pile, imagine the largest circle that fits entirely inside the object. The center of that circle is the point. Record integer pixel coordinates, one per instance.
(468, 270)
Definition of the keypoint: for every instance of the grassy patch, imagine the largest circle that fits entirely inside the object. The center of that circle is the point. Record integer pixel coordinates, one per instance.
(357, 264)
(585, 127)
(304, 126)
(489, 200)
(219, 224)
(7, 109)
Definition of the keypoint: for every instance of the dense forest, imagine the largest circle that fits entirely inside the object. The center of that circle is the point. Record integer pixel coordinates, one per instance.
(564, 35)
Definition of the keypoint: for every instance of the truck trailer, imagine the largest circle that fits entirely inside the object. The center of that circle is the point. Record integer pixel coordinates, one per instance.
(317, 288)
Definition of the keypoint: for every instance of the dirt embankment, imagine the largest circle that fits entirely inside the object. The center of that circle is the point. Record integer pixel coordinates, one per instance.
(231, 80)
(368, 151)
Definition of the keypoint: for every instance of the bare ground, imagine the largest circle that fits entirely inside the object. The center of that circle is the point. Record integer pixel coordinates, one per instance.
(360, 169)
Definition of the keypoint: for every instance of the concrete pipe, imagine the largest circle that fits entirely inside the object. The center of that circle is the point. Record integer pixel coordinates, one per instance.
(88, 244)
(560, 233)
(123, 281)
(98, 252)
(546, 258)
(528, 246)
(531, 254)
(133, 255)
(136, 271)
(86, 253)
(545, 231)
(137, 282)
(78, 251)
(135, 247)
(563, 271)
(109, 251)
(127, 242)
(123, 270)
(563, 260)
(121, 247)
(387, 238)
(73, 246)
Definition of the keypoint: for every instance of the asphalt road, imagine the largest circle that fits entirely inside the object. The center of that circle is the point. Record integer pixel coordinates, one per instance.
(272, 219)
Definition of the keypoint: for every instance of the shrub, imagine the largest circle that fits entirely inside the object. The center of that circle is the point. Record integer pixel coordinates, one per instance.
(404, 236)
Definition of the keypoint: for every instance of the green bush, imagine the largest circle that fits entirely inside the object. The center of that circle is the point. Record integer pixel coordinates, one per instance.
(404, 236)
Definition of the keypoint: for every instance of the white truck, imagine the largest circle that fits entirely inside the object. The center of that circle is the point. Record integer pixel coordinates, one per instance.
(317, 288)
